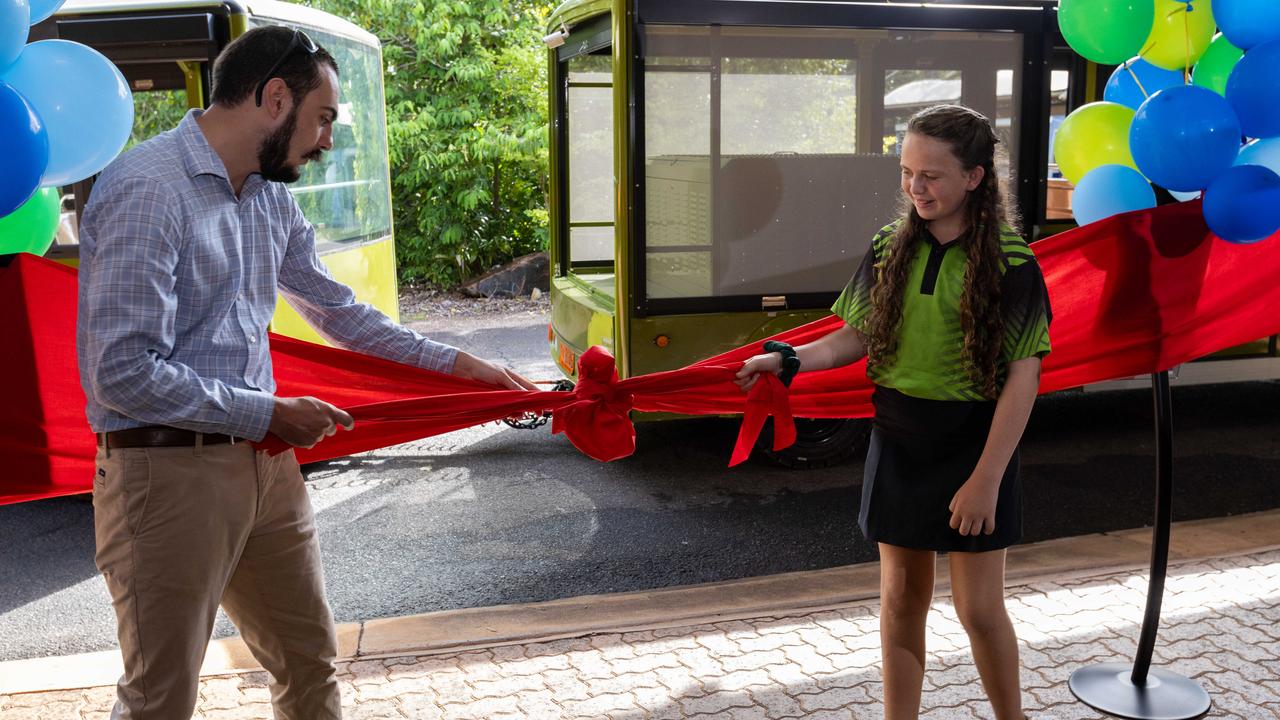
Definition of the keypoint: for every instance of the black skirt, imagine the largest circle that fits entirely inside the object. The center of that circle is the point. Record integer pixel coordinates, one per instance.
(921, 452)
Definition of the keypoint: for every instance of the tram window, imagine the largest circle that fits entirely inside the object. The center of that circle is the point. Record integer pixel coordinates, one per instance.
(590, 149)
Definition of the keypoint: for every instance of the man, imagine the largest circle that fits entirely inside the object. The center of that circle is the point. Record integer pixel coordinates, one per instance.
(184, 244)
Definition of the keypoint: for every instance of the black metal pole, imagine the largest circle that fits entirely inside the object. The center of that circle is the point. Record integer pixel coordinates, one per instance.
(1143, 692)
(1163, 402)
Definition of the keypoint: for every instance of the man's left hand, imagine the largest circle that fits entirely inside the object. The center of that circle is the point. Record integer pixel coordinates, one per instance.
(474, 368)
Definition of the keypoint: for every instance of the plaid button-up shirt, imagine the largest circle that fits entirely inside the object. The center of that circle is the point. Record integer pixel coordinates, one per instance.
(178, 280)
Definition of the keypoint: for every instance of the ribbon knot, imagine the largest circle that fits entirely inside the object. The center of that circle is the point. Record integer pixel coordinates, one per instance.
(598, 421)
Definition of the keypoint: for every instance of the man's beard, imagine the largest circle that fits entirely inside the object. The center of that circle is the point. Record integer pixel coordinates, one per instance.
(273, 153)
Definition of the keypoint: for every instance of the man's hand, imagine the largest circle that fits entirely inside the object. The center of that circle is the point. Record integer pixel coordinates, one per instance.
(973, 509)
(473, 368)
(304, 421)
(751, 369)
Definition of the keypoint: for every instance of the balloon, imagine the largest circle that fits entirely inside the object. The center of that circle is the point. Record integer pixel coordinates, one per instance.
(1216, 64)
(1108, 190)
(15, 17)
(1180, 35)
(1184, 137)
(1254, 90)
(84, 102)
(1135, 80)
(1248, 22)
(1106, 31)
(42, 9)
(1184, 196)
(1243, 204)
(1261, 152)
(1092, 135)
(26, 149)
(31, 227)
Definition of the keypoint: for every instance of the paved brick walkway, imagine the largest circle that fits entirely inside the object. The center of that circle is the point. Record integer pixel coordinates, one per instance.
(1221, 625)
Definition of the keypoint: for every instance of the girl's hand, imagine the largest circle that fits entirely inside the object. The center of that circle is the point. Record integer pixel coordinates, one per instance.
(973, 509)
(767, 362)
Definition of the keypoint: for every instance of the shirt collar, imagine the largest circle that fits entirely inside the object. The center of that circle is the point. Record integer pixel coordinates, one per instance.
(201, 159)
(196, 151)
(932, 241)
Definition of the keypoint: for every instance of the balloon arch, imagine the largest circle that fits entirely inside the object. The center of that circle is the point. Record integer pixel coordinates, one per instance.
(1188, 110)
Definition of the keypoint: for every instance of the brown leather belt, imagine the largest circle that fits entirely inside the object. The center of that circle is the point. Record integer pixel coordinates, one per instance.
(159, 436)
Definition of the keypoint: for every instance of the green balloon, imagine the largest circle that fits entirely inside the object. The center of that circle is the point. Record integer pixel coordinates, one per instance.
(31, 227)
(1093, 135)
(1106, 31)
(1216, 64)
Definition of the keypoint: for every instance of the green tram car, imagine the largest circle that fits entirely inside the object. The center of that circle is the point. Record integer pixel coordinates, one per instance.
(719, 167)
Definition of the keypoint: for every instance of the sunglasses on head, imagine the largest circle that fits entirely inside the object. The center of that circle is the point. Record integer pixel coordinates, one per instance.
(299, 41)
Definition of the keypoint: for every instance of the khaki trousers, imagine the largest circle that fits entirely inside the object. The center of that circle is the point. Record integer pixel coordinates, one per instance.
(180, 530)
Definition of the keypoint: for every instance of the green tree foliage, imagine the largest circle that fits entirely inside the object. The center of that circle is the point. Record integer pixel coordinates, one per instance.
(467, 123)
(155, 112)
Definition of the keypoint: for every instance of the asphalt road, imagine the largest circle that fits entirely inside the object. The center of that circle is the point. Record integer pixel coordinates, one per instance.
(493, 515)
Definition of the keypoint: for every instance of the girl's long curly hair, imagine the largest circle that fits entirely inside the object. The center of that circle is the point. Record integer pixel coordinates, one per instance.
(973, 142)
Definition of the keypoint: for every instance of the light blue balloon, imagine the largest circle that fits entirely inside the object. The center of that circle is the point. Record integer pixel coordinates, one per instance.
(1253, 89)
(1261, 152)
(1109, 190)
(1243, 204)
(84, 102)
(1123, 88)
(15, 17)
(1247, 23)
(1183, 137)
(1184, 196)
(43, 9)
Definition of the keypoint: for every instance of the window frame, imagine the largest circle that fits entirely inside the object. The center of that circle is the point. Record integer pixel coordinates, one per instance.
(1033, 20)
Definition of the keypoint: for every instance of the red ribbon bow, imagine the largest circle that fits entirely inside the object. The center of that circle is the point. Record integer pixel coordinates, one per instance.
(597, 420)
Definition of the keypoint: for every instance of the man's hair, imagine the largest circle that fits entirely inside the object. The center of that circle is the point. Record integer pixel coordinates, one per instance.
(242, 64)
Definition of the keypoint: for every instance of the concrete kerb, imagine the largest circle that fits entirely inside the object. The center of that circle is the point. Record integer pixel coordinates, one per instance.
(772, 596)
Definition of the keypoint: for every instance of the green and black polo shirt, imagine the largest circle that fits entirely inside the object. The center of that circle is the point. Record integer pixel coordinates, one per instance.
(929, 362)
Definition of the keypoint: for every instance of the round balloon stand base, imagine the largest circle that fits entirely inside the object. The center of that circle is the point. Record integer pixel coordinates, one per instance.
(1109, 687)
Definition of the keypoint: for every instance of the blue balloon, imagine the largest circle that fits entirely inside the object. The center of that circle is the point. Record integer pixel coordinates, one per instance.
(1247, 23)
(1123, 88)
(1243, 204)
(15, 16)
(43, 9)
(1253, 89)
(1183, 137)
(1261, 152)
(1109, 190)
(84, 101)
(26, 150)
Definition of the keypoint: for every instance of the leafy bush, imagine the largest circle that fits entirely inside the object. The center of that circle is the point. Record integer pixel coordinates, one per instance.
(467, 124)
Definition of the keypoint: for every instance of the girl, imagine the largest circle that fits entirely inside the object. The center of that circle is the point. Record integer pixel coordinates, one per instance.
(950, 308)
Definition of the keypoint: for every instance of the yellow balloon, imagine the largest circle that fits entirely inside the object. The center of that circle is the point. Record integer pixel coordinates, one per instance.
(1093, 135)
(1179, 36)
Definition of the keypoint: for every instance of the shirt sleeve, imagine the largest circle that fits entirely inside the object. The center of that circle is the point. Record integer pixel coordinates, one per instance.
(332, 309)
(126, 319)
(854, 303)
(1025, 305)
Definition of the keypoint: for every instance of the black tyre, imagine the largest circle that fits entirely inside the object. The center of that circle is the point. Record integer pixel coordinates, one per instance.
(819, 443)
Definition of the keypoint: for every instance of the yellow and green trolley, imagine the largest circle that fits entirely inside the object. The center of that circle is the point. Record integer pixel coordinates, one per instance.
(717, 169)
(166, 49)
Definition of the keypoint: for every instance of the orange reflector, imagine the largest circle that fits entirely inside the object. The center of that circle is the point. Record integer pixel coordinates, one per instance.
(662, 341)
